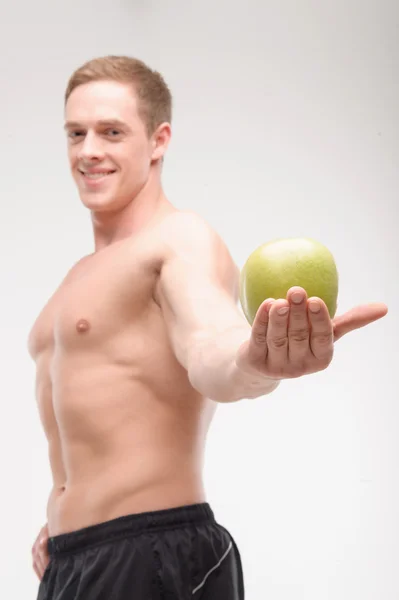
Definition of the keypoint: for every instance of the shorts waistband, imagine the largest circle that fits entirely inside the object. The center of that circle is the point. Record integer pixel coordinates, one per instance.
(128, 525)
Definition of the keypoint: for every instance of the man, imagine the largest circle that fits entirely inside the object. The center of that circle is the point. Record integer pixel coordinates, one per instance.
(135, 350)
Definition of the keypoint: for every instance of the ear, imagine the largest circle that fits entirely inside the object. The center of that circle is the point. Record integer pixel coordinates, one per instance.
(160, 141)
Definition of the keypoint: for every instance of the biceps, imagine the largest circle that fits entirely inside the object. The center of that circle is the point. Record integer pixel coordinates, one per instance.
(196, 304)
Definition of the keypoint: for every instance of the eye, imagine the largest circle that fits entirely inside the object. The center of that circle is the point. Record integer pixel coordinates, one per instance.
(112, 132)
(74, 134)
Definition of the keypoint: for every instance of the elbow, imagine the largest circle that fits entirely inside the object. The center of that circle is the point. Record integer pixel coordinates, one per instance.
(208, 389)
(250, 391)
(226, 394)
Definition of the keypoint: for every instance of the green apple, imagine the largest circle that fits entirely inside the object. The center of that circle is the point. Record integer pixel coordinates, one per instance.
(273, 268)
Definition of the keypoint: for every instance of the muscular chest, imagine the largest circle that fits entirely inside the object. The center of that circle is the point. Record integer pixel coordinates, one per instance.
(95, 303)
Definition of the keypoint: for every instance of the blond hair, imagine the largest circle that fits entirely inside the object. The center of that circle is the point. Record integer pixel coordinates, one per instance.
(154, 97)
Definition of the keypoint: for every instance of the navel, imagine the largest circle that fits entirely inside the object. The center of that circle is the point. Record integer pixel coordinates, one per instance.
(82, 326)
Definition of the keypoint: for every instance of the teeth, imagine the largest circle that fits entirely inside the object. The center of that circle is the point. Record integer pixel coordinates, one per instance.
(97, 175)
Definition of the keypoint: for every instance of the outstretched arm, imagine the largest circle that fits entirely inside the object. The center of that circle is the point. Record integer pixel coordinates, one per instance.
(198, 292)
(227, 359)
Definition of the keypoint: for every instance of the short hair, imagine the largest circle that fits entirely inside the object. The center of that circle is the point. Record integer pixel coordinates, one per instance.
(154, 96)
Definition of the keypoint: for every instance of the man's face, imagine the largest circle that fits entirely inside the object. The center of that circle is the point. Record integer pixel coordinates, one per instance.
(109, 150)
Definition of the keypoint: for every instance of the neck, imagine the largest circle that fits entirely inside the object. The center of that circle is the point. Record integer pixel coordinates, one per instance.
(149, 205)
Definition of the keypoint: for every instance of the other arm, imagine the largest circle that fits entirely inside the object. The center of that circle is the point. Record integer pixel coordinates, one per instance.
(40, 556)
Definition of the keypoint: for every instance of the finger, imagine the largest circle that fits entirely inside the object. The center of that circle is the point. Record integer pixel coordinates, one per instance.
(277, 339)
(298, 326)
(321, 330)
(38, 557)
(43, 553)
(40, 564)
(43, 546)
(358, 317)
(257, 349)
(37, 570)
(45, 564)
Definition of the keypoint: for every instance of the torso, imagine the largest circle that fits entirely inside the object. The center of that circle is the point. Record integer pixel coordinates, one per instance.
(125, 428)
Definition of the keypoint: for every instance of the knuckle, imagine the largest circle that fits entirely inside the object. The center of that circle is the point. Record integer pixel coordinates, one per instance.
(299, 335)
(262, 321)
(276, 343)
(298, 314)
(259, 337)
(323, 339)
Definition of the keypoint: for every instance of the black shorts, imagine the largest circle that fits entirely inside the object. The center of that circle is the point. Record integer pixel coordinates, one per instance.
(177, 553)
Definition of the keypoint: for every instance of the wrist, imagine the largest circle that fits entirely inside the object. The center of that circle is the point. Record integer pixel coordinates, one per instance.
(215, 369)
(251, 383)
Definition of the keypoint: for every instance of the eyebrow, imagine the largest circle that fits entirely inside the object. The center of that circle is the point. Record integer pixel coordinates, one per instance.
(102, 123)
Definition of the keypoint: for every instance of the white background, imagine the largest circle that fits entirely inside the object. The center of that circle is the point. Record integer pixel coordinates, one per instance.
(285, 124)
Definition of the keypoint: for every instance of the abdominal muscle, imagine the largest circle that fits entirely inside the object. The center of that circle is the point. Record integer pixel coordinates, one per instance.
(117, 448)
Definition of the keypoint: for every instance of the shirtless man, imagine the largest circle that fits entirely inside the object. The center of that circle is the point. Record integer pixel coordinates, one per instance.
(135, 350)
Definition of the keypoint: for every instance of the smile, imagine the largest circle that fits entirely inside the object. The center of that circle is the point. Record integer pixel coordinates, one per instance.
(98, 175)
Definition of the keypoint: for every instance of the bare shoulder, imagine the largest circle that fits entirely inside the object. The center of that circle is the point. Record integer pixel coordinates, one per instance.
(189, 238)
(187, 231)
(183, 224)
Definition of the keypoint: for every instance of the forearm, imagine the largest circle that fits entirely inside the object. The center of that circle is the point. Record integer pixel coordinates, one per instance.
(214, 373)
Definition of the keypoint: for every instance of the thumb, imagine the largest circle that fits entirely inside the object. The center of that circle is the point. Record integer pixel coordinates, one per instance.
(358, 317)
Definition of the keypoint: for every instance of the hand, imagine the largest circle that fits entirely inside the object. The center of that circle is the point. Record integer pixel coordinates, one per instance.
(298, 342)
(40, 554)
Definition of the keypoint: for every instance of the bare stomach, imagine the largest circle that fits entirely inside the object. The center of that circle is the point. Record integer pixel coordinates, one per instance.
(120, 492)
(135, 454)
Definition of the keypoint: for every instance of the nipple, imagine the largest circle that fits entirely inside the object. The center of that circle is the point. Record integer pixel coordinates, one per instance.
(82, 326)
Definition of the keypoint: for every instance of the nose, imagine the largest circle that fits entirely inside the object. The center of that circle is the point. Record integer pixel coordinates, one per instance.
(91, 148)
